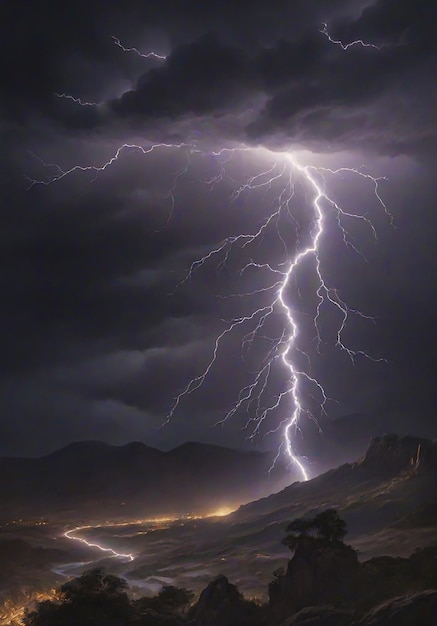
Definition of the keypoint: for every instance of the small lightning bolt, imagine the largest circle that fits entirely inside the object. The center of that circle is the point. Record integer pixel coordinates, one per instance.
(144, 55)
(279, 179)
(346, 46)
(60, 173)
(83, 103)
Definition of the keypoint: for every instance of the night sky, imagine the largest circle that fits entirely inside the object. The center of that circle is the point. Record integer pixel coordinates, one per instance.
(97, 336)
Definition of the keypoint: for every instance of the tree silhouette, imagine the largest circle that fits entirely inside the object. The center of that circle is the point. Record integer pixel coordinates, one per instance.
(169, 600)
(327, 526)
(297, 529)
(330, 526)
(99, 599)
(92, 584)
(274, 587)
(92, 599)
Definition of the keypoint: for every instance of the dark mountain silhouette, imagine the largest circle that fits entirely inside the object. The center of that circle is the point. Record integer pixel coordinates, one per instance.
(96, 479)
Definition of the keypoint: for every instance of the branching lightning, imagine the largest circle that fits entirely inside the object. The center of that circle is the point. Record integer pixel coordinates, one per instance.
(95, 169)
(144, 55)
(286, 345)
(279, 181)
(346, 46)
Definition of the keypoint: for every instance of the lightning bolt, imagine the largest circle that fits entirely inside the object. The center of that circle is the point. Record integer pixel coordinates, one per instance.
(71, 534)
(346, 46)
(284, 348)
(278, 180)
(146, 55)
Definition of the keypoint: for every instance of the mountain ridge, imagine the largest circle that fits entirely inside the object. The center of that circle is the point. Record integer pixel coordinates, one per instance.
(136, 479)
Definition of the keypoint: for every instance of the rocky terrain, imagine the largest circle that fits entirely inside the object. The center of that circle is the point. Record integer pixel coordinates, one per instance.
(324, 585)
(388, 500)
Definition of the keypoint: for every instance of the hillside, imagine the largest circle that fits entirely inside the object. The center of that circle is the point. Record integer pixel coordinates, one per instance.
(391, 488)
(90, 479)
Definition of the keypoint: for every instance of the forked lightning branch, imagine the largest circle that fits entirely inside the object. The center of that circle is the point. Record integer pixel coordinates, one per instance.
(276, 187)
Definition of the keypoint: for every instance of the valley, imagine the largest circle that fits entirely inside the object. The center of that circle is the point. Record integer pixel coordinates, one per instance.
(382, 498)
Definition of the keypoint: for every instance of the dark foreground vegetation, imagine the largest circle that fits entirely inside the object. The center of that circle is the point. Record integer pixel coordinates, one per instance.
(324, 585)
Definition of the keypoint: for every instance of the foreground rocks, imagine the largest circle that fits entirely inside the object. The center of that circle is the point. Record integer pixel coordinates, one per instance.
(321, 616)
(99, 599)
(419, 609)
(328, 573)
(221, 604)
(321, 573)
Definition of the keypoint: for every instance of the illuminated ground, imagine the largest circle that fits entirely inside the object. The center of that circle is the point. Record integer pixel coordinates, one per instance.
(384, 512)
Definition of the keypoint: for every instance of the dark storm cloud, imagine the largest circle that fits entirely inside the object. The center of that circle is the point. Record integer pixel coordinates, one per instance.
(47, 49)
(378, 99)
(268, 67)
(96, 340)
(75, 270)
(391, 21)
(91, 312)
(197, 78)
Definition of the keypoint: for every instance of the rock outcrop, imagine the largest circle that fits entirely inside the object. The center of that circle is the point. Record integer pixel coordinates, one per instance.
(392, 453)
(320, 573)
(321, 616)
(419, 609)
(221, 604)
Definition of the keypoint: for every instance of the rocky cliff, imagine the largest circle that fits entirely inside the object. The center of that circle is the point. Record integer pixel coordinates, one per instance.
(320, 572)
(221, 603)
(393, 453)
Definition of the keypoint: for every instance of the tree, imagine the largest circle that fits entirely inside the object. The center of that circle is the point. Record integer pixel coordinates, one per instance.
(330, 526)
(274, 587)
(174, 598)
(297, 530)
(99, 599)
(169, 600)
(91, 584)
(91, 599)
(327, 526)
